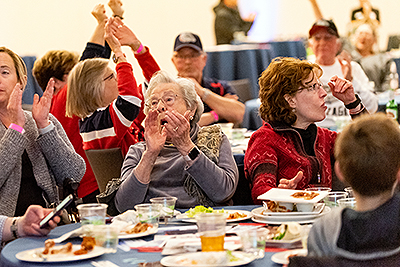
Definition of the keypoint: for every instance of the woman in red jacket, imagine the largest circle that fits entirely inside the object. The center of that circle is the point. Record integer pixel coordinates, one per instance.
(289, 150)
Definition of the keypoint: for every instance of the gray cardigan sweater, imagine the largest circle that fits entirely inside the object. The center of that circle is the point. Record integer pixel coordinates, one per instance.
(52, 155)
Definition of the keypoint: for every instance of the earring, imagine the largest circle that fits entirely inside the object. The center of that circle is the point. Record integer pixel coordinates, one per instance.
(191, 118)
(294, 110)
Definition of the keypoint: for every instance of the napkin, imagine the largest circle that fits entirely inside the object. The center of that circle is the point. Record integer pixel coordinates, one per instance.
(129, 216)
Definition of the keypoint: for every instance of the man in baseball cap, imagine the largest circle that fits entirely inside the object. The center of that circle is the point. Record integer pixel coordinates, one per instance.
(221, 103)
(325, 43)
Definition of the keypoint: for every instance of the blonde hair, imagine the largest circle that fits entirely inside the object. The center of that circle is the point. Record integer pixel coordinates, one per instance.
(19, 64)
(86, 87)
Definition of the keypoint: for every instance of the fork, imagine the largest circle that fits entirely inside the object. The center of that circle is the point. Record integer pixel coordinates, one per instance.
(65, 236)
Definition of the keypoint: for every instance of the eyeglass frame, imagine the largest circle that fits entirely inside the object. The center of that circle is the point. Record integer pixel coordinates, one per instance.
(153, 107)
(191, 56)
(312, 88)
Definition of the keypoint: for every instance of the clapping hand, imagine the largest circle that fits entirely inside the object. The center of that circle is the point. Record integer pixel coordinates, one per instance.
(291, 183)
(41, 107)
(14, 107)
(155, 133)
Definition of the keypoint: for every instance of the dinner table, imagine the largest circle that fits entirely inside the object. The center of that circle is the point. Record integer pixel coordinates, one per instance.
(123, 257)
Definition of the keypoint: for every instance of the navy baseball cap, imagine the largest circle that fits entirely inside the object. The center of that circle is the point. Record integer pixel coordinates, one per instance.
(188, 39)
(323, 23)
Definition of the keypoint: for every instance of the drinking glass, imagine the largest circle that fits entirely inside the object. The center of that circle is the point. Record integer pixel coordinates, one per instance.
(333, 197)
(211, 227)
(167, 207)
(149, 213)
(91, 214)
(107, 237)
(253, 241)
(347, 202)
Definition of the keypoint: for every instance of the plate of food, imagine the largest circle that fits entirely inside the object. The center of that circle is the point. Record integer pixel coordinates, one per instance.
(62, 253)
(317, 209)
(220, 258)
(137, 230)
(232, 215)
(259, 216)
(293, 196)
(283, 257)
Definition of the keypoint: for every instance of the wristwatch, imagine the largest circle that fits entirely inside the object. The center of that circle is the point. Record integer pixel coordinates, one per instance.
(115, 58)
(14, 227)
(192, 155)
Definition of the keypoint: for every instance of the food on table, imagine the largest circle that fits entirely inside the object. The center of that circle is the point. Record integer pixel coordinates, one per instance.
(286, 231)
(275, 207)
(305, 195)
(87, 245)
(201, 209)
(208, 258)
(139, 228)
(236, 215)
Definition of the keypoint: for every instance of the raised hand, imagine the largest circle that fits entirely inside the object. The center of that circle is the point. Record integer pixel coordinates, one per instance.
(126, 36)
(41, 107)
(155, 134)
(178, 129)
(109, 35)
(291, 183)
(342, 89)
(99, 12)
(344, 59)
(116, 7)
(14, 107)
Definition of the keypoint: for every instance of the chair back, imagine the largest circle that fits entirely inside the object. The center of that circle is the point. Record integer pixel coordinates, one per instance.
(242, 195)
(106, 164)
(242, 88)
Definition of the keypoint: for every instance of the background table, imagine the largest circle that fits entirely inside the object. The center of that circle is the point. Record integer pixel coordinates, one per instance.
(234, 62)
(10, 250)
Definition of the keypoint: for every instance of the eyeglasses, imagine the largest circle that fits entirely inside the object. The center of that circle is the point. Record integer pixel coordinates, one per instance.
(312, 88)
(109, 77)
(167, 99)
(188, 56)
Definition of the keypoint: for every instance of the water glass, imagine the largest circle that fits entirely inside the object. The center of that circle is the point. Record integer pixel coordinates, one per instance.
(211, 228)
(333, 197)
(347, 202)
(106, 236)
(149, 213)
(92, 214)
(167, 206)
(253, 241)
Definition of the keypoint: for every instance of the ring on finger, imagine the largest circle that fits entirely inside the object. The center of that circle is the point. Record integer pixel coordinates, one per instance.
(176, 128)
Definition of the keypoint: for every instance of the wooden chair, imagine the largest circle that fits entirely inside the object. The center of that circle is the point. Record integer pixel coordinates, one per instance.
(106, 164)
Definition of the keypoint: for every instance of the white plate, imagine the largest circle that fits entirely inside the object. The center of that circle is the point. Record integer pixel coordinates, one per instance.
(282, 219)
(248, 214)
(261, 220)
(283, 257)
(34, 255)
(150, 231)
(318, 208)
(285, 195)
(188, 258)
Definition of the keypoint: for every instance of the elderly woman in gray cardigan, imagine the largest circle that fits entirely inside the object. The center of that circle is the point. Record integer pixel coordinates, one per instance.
(179, 158)
(35, 153)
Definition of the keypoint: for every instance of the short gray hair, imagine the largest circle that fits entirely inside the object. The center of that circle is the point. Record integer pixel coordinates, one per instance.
(186, 87)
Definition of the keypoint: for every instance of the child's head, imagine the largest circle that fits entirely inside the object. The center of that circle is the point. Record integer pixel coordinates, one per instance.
(368, 153)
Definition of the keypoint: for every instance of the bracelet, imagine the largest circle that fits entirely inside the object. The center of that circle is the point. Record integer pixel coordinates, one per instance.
(17, 128)
(115, 58)
(14, 227)
(215, 115)
(118, 16)
(139, 49)
(205, 95)
(354, 104)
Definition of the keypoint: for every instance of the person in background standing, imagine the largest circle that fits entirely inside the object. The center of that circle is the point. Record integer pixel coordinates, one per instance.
(229, 23)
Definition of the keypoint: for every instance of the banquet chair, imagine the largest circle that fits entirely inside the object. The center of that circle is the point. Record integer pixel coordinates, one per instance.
(242, 195)
(242, 88)
(106, 164)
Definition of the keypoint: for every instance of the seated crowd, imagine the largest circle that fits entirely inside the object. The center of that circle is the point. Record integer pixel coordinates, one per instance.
(168, 133)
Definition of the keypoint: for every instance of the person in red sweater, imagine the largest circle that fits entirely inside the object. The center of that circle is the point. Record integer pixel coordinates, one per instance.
(289, 150)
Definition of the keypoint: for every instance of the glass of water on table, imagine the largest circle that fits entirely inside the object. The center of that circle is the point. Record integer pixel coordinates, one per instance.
(92, 214)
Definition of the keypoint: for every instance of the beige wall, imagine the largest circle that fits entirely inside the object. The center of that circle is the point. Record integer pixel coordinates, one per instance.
(32, 27)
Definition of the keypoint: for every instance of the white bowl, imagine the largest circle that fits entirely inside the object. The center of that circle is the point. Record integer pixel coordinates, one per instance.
(305, 207)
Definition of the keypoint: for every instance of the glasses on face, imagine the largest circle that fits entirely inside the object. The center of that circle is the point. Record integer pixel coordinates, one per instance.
(326, 37)
(187, 56)
(109, 77)
(167, 99)
(312, 88)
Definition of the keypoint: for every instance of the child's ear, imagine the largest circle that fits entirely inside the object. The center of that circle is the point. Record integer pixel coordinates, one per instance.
(339, 172)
